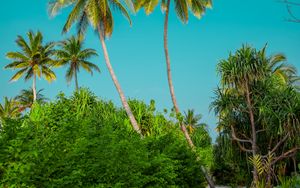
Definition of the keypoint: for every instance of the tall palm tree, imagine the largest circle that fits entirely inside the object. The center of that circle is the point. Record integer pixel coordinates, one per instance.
(25, 98)
(75, 56)
(182, 8)
(33, 60)
(98, 14)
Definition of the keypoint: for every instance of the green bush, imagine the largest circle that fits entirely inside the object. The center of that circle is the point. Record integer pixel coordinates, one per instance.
(82, 141)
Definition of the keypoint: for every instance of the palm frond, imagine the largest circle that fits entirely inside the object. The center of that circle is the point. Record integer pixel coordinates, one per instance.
(16, 65)
(74, 15)
(88, 66)
(118, 6)
(48, 74)
(181, 9)
(17, 56)
(18, 75)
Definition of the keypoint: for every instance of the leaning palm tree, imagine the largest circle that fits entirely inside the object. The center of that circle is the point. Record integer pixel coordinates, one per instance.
(75, 56)
(182, 8)
(33, 60)
(25, 98)
(98, 14)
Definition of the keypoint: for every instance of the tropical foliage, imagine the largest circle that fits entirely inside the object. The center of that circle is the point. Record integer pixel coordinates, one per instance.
(257, 103)
(83, 141)
(9, 109)
(25, 99)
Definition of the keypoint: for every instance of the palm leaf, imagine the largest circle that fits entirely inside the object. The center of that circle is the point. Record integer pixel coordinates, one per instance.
(89, 66)
(18, 75)
(16, 65)
(181, 9)
(74, 15)
(17, 55)
(118, 6)
(48, 74)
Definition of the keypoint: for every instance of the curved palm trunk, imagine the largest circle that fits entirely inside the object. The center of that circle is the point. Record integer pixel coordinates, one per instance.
(172, 92)
(76, 81)
(34, 88)
(117, 84)
(171, 87)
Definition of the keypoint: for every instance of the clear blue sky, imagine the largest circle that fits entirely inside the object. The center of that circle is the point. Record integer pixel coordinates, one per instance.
(137, 52)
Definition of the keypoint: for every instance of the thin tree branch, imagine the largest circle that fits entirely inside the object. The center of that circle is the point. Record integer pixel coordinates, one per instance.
(262, 130)
(287, 154)
(243, 148)
(234, 137)
(280, 142)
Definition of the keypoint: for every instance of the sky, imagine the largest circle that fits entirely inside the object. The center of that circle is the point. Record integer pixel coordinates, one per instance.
(137, 54)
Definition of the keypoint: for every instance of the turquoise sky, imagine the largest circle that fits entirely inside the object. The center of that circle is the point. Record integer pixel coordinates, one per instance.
(137, 52)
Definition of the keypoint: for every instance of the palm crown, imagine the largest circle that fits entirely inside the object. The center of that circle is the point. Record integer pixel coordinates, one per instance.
(9, 109)
(182, 7)
(75, 56)
(95, 12)
(33, 60)
(25, 98)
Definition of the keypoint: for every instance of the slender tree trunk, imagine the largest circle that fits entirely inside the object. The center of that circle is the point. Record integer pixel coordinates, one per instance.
(171, 87)
(172, 92)
(34, 87)
(76, 80)
(253, 130)
(117, 84)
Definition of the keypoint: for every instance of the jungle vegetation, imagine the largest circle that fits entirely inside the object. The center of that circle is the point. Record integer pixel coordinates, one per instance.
(84, 141)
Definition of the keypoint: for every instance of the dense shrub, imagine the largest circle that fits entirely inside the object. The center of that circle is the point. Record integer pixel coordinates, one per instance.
(85, 142)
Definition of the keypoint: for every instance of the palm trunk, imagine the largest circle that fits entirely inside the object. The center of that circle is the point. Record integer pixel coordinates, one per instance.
(253, 131)
(34, 87)
(172, 92)
(76, 81)
(171, 87)
(117, 84)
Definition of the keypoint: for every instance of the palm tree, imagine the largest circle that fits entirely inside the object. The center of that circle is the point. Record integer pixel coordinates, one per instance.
(98, 14)
(9, 109)
(182, 8)
(75, 56)
(25, 98)
(33, 60)
(191, 120)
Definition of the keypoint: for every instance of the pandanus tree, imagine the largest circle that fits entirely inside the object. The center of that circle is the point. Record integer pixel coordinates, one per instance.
(33, 60)
(98, 14)
(182, 7)
(251, 107)
(73, 55)
(25, 98)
